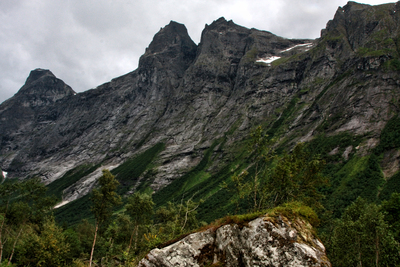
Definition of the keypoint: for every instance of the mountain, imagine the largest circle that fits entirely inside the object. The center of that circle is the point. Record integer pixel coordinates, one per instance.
(178, 123)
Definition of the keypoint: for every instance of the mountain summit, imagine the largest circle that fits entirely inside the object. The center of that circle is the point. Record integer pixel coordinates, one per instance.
(43, 84)
(184, 115)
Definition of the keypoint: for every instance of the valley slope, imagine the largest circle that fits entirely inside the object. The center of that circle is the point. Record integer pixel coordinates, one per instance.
(177, 125)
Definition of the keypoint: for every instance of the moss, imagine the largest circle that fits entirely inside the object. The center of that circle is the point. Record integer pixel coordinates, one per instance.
(241, 220)
(251, 55)
(392, 65)
(370, 52)
(292, 210)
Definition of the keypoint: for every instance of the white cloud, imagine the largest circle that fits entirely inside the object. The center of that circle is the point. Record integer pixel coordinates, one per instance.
(86, 43)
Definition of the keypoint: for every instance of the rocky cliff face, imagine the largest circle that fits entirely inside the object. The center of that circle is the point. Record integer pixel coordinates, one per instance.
(188, 96)
(262, 242)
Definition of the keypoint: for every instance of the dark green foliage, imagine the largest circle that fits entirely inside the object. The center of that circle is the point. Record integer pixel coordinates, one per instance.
(45, 246)
(359, 177)
(393, 64)
(74, 212)
(390, 136)
(24, 209)
(322, 145)
(174, 220)
(285, 114)
(140, 210)
(129, 172)
(25, 201)
(72, 176)
(391, 211)
(105, 197)
(75, 244)
(391, 186)
(181, 185)
(147, 180)
(85, 232)
(218, 203)
(297, 176)
(362, 238)
(370, 179)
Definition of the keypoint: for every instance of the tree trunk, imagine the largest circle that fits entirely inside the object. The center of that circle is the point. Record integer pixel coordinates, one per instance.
(136, 235)
(15, 243)
(1, 234)
(94, 242)
(130, 241)
(377, 250)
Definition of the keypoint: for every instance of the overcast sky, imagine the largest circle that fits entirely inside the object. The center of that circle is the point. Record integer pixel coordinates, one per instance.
(86, 43)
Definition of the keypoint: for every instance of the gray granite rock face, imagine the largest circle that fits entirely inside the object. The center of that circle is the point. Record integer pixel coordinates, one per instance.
(262, 242)
(187, 95)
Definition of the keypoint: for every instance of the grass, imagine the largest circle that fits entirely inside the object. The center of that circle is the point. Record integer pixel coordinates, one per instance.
(241, 220)
(129, 172)
(293, 210)
(391, 186)
(323, 144)
(72, 176)
(285, 114)
(393, 64)
(360, 176)
(181, 185)
(74, 212)
(390, 135)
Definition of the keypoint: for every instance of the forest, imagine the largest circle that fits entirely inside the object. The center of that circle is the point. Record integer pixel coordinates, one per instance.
(358, 220)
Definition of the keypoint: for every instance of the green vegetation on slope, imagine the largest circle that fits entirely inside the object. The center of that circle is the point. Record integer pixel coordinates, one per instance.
(179, 187)
(129, 172)
(72, 176)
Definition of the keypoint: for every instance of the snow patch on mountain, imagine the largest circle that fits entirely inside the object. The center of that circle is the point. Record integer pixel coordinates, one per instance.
(307, 45)
(267, 60)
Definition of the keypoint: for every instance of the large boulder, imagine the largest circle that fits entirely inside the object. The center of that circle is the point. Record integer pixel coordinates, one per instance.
(265, 241)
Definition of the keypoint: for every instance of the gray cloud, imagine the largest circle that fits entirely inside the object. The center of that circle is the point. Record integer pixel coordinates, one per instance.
(86, 43)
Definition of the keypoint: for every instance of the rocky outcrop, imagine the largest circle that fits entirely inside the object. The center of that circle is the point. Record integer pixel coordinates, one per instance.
(264, 241)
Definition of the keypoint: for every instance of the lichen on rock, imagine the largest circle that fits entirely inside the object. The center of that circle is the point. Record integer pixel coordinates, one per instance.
(262, 242)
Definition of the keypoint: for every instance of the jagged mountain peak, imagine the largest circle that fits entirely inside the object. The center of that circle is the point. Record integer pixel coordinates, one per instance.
(42, 83)
(358, 22)
(37, 74)
(188, 98)
(171, 44)
(222, 24)
(172, 34)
